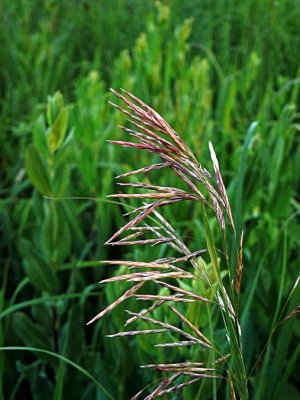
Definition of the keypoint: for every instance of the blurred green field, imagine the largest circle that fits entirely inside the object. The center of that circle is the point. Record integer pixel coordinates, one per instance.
(220, 71)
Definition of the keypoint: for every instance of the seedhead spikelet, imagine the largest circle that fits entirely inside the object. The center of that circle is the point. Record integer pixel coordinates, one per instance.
(153, 134)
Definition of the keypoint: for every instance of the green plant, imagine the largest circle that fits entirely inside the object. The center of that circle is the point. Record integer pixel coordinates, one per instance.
(47, 304)
(235, 62)
(207, 282)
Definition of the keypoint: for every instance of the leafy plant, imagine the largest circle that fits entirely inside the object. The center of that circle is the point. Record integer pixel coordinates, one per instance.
(53, 303)
(209, 75)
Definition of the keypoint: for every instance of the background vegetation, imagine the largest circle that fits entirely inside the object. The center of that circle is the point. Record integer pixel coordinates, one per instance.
(225, 71)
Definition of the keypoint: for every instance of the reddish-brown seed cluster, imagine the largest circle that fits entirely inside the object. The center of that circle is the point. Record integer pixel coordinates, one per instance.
(153, 134)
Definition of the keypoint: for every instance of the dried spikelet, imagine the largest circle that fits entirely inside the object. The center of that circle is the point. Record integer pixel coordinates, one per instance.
(178, 367)
(159, 389)
(191, 326)
(148, 210)
(174, 260)
(138, 264)
(148, 297)
(125, 296)
(167, 326)
(134, 333)
(144, 170)
(182, 291)
(152, 242)
(218, 211)
(177, 344)
(183, 385)
(144, 312)
(232, 391)
(180, 386)
(220, 184)
(148, 275)
(239, 270)
(293, 314)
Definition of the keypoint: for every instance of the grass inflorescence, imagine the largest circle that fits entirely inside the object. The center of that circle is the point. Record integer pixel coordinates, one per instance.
(153, 134)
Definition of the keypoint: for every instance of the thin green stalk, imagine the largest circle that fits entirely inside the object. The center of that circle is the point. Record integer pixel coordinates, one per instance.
(2, 326)
(28, 303)
(64, 359)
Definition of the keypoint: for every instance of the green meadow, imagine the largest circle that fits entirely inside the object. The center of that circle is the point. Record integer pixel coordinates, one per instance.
(221, 71)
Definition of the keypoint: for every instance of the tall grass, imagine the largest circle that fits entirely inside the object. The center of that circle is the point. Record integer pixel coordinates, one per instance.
(154, 135)
(215, 77)
(214, 278)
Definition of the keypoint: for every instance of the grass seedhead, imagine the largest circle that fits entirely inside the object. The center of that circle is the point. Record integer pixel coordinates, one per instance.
(239, 270)
(175, 277)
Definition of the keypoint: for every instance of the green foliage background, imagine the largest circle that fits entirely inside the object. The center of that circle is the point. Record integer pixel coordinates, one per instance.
(225, 71)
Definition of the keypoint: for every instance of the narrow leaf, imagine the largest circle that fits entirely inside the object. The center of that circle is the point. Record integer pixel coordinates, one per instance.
(37, 171)
(37, 269)
(58, 130)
